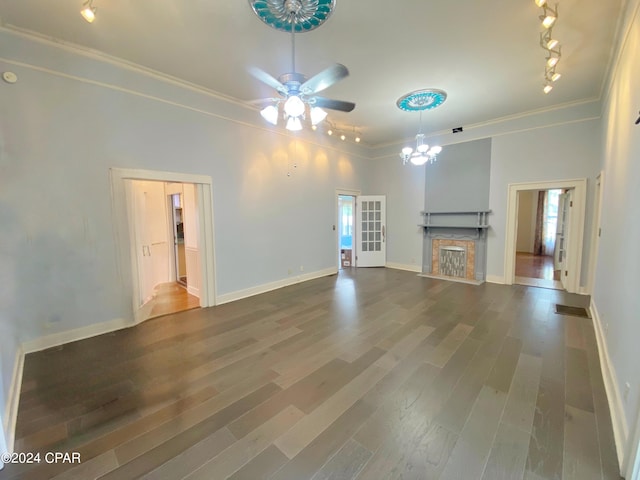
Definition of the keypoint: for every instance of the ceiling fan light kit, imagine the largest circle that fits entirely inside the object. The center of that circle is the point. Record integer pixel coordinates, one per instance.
(418, 101)
(298, 94)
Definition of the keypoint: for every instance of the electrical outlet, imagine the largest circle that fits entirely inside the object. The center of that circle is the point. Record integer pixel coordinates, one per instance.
(627, 388)
(289, 271)
(606, 329)
(302, 268)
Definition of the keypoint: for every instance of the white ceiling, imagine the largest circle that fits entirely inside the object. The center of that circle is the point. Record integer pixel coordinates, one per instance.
(485, 55)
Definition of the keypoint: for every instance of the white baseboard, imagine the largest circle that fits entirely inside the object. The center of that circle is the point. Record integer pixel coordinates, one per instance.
(193, 291)
(11, 412)
(495, 279)
(406, 267)
(57, 339)
(584, 291)
(267, 287)
(618, 417)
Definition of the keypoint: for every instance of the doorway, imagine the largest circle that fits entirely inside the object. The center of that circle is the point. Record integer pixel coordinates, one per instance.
(345, 227)
(573, 235)
(179, 264)
(160, 214)
(144, 250)
(371, 237)
(346, 211)
(540, 238)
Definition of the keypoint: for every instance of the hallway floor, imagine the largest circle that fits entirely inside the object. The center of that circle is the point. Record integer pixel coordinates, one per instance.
(536, 271)
(172, 298)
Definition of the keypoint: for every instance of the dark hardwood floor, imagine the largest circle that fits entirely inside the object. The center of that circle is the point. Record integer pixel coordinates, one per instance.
(536, 271)
(369, 374)
(535, 266)
(171, 297)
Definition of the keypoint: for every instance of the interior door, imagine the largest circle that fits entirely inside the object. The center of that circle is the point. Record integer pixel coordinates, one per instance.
(562, 235)
(143, 242)
(178, 239)
(371, 234)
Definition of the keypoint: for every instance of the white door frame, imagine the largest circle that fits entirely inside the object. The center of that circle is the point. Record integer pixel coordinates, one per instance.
(367, 259)
(352, 193)
(630, 467)
(124, 246)
(576, 227)
(595, 234)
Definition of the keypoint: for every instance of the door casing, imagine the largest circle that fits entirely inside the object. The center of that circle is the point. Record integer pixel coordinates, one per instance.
(351, 193)
(361, 258)
(576, 228)
(125, 247)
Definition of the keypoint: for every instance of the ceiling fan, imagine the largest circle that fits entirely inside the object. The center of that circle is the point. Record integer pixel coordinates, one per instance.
(297, 92)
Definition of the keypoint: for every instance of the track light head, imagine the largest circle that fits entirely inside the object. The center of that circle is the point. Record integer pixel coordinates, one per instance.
(88, 11)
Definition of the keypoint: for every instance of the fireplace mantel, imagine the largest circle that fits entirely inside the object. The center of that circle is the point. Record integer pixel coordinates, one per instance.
(453, 228)
(436, 222)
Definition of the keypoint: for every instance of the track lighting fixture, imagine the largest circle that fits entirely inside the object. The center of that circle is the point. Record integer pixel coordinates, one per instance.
(88, 11)
(549, 15)
(343, 133)
(553, 58)
(550, 44)
(546, 41)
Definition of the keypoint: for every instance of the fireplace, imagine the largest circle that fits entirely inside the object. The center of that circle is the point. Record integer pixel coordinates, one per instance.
(455, 246)
(453, 261)
(453, 258)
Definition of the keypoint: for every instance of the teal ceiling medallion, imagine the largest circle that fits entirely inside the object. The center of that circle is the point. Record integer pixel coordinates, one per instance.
(419, 100)
(304, 15)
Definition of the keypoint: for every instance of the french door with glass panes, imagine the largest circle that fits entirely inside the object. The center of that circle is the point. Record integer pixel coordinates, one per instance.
(371, 231)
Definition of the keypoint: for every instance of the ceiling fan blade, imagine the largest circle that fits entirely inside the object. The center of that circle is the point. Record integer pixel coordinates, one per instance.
(324, 79)
(262, 101)
(264, 77)
(333, 104)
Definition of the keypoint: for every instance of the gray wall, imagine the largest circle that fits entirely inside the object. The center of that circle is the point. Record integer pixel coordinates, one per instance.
(459, 180)
(616, 294)
(60, 135)
(559, 152)
(404, 188)
(57, 243)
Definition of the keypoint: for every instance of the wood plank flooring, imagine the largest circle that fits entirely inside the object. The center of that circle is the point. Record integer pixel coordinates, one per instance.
(171, 297)
(536, 271)
(368, 374)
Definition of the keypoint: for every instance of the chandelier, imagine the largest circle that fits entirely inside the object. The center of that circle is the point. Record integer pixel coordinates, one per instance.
(418, 101)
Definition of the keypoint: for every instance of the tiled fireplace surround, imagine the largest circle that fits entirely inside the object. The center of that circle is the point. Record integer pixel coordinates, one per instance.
(469, 247)
(466, 230)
